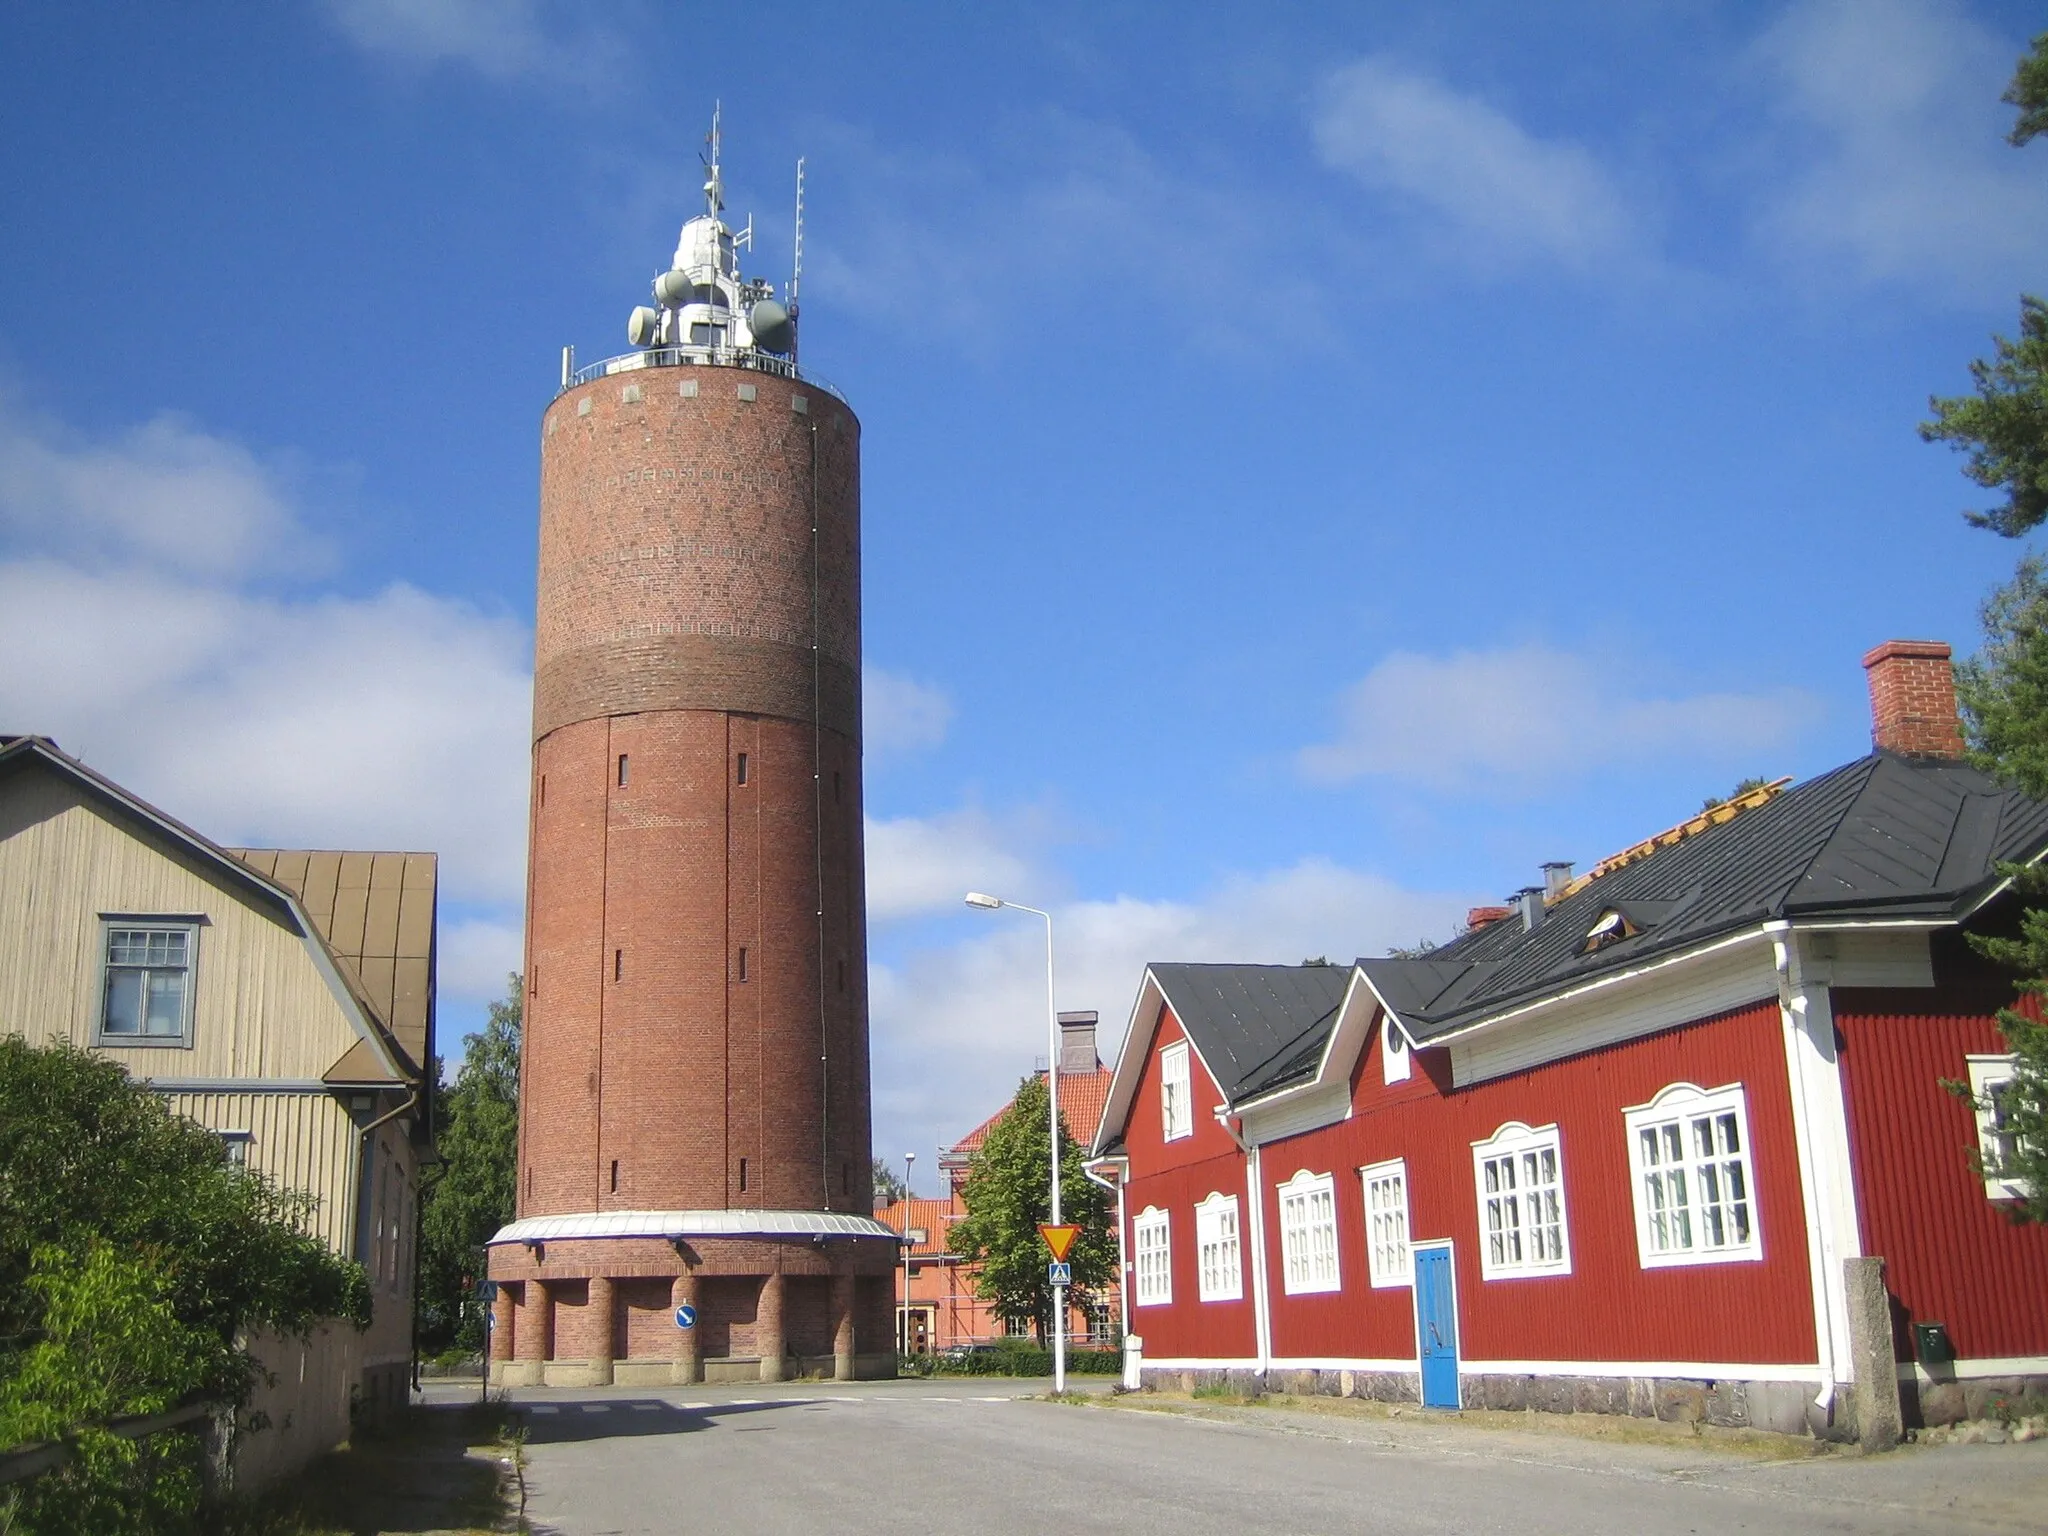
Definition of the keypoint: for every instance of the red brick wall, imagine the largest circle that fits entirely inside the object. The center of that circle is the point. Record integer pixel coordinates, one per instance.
(673, 628)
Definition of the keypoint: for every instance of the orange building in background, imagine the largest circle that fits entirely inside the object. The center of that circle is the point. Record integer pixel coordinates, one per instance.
(941, 1309)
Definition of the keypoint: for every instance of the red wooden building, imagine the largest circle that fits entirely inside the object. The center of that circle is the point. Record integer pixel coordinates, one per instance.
(1669, 1138)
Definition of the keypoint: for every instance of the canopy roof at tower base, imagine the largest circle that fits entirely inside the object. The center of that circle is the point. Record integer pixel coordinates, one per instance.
(674, 1224)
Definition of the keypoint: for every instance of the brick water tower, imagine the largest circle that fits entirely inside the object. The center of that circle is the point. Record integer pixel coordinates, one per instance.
(693, 1127)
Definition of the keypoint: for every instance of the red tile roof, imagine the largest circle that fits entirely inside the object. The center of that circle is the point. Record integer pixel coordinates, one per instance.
(1082, 1095)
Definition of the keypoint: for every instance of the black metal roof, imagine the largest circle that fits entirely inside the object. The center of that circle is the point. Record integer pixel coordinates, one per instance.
(1883, 836)
(1258, 1027)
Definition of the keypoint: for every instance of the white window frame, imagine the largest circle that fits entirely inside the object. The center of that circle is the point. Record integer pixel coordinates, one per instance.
(236, 1145)
(1677, 1190)
(1987, 1074)
(1152, 1258)
(1395, 1057)
(1218, 1249)
(1176, 1093)
(112, 923)
(1507, 1232)
(1309, 1262)
(1389, 1259)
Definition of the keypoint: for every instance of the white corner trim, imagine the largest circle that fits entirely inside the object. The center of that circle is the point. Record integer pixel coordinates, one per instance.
(1262, 1298)
(1820, 1125)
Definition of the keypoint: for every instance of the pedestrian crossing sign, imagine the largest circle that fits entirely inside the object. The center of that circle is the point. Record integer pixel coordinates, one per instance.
(1059, 1274)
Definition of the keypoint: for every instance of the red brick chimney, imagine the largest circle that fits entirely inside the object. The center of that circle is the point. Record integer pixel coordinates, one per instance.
(1913, 699)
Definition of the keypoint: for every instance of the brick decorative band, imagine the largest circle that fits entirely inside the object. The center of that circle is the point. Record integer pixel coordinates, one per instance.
(730, 673)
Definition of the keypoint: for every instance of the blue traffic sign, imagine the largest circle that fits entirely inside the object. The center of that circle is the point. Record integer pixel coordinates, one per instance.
(686, 1316)
(1059, 1274)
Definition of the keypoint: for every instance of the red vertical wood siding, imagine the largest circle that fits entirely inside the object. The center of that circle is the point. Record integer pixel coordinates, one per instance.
(1177, 1176)
(1951, 1255)
(1609, 1308)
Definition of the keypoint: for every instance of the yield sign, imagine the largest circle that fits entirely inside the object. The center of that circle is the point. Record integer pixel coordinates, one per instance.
(1059, 1239)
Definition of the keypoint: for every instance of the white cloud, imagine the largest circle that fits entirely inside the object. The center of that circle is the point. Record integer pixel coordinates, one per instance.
(396, 720)
(500, 39)
(900, 715)
(1498, 186)
(1896, 164)
(920, 864)
(1515, 720)
(162, 494)
(955, 1027)
(473, 957)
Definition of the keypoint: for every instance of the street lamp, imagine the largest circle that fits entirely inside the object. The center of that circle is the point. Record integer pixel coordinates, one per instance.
(1052, 1087)
(908, 1159)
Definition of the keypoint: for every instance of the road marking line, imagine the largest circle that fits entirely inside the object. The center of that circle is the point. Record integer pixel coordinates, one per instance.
(540, 1407)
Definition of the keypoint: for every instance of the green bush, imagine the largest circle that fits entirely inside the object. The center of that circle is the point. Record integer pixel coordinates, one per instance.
(133, 1256)
(1024, 1359)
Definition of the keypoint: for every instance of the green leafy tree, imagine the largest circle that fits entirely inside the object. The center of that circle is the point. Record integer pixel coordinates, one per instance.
(2003, 427)
(133, 1259)
(474, 1193)
(1008, 1193)
(2029, 92)
(2003, 690)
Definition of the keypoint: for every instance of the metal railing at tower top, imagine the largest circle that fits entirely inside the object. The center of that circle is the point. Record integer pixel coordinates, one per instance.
(700, 357)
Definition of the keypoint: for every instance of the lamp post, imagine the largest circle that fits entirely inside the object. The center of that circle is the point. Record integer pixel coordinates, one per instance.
(908, 1159)
(1052, 1088)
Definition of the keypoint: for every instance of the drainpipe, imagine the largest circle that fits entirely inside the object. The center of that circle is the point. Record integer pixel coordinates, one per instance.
(1123, 1274)
(1791, 1002)
(1255, 1218)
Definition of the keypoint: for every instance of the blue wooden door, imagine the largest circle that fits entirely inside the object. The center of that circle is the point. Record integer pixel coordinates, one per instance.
(1436, 1327)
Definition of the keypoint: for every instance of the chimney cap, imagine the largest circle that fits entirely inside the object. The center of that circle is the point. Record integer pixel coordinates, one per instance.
(1907, 650)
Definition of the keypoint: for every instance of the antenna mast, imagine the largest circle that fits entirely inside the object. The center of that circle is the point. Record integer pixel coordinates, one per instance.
(714, 186)
(796, 276)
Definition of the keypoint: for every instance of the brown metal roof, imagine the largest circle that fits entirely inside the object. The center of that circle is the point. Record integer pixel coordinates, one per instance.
(376, 913)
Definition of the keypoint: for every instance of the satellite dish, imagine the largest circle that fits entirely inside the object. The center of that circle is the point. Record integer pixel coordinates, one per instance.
(641, 326)
(673, 287)
(773, 329)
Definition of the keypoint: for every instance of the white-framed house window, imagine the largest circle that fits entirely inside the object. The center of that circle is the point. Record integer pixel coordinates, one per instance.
(1222, 1271)
(1176, 1101)
(1308, 1234)
(1152, 1251)
(1990, 1076)
(236, 1145)
(1394, 1061)
(1519, 1171)
(1695, 1189)
(148, 965)
(1387, 1261)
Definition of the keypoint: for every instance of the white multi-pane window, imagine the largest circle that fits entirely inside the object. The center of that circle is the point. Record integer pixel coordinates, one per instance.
(1520, 1176)
(1222, 1272)
(1695, 1187)
(1152, 1251)
(1308, 1233)
(147, 997)
(1176, 1105)
(1990, 1080)
(1386, 1223)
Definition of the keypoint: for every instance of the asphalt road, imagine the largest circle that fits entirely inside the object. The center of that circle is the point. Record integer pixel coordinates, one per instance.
(964, 1455)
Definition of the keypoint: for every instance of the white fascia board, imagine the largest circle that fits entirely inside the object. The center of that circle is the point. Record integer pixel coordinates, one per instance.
(1600, 984)
(1137, 1042)
(1683, 1370)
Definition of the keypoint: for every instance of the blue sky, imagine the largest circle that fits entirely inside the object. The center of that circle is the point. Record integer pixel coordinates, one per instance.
(1321, 461)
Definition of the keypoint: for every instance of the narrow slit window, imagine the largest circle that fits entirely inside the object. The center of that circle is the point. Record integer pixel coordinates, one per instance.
(740, 776)
(625, 767)
(529, 1181)
(743, 962)
(543, 791)
(615, 1175)
(743, 1173)
(618, 965)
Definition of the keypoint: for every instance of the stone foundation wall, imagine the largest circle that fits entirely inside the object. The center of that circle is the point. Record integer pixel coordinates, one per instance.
(1931, 1404)
(1783, 1406)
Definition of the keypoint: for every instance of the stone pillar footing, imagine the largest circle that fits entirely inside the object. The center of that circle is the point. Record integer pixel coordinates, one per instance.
(768, 1330)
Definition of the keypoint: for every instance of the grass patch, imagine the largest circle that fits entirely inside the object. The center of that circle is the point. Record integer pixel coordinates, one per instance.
(440, 1467)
